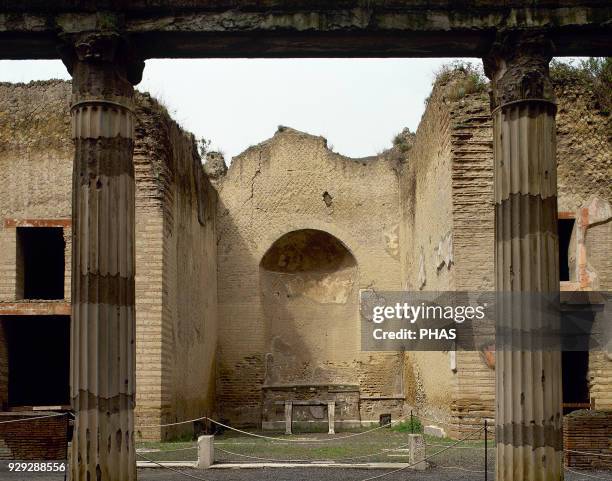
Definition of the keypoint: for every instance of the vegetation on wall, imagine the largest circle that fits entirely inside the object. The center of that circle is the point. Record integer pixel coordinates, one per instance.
(460, 79)
(595, 73)
(404, 140)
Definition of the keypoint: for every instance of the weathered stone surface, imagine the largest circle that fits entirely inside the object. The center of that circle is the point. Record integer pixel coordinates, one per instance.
(175, 294)
(470, 216)
(528, 381)
(102, 387)
(283, 28)
(445, 234)
(206, 451)
(215, 166)
(435, 431)
(301, 230)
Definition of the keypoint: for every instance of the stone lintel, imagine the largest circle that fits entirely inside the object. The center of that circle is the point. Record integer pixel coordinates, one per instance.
(283, 28)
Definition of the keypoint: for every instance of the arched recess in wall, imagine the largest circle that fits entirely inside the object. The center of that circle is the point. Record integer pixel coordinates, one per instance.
(309, 291)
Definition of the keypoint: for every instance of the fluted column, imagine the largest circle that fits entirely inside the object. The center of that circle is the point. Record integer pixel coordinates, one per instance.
(102, 360)
(528, 376)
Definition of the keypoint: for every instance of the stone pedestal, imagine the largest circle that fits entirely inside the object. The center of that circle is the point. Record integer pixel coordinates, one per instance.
(528, 378)
(206, 451)
(288, 416)
(331, 417)
(102, 386)
(416, 451)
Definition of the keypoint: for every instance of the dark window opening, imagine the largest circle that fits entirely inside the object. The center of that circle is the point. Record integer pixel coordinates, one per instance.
(39, 360)
(40, 253)
(564, 228)
(575, 366)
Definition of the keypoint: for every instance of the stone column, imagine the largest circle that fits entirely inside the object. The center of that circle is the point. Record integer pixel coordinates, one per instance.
(528, 380)
(102, 386)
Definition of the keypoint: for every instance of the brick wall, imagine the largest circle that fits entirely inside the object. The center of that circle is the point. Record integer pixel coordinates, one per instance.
(426, 238)
(3, 367)
(294, 182)
(38, 439)
(450, 164)
(36, 155)
(600, 379)
(589, 432)
(175, 276)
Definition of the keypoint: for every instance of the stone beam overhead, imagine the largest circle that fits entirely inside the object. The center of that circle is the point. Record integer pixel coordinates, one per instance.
(283, 28)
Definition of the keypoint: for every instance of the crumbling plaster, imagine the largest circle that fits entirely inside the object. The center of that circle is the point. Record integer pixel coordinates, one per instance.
(290, 183)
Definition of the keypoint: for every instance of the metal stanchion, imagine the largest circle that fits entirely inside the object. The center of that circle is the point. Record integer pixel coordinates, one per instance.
(486, 452)
(67, 440)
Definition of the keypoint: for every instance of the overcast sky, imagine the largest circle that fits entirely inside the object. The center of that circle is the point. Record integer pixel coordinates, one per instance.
(357, 104)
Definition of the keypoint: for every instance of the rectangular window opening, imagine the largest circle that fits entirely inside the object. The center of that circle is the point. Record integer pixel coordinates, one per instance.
(40, 263)
(39, 360)
(564, 228)
(575, 368)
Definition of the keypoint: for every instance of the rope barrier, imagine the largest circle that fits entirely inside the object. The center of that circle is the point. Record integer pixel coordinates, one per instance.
(588, 475)
(347, 458)
(33, 418)
(168, 450)
(459, 468)
(266, 459)
(602, 455)
(325, 440)
(427, 458)
(178, 471)
(458, 447)
(172, 424)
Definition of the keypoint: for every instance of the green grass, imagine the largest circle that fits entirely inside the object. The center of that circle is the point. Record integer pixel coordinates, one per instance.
(376, 446)
(409, 426)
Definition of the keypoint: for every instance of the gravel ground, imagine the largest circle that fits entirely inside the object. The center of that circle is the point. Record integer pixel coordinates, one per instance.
(294, 474)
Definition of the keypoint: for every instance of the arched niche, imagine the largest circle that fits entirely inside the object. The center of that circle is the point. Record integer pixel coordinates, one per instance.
(309, 293)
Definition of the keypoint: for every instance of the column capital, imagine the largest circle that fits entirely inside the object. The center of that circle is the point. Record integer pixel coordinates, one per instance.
(105, 48)
(517, 65)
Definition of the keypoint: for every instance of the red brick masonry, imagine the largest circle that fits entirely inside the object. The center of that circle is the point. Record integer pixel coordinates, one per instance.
(588, 431)
(38, 439)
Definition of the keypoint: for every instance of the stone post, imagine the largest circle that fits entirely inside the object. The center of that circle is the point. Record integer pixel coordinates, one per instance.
(102, 378)
(288, 416)
(528, 380)
(331, 417)
(206, 451)
(416, 452)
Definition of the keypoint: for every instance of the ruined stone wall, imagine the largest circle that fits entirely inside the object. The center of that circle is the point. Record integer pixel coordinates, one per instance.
(36, 161)
(473, 246)
(35, 176)
(18, 441)
(175, 276)
(426, 246)
(584, 156)
(36, 165)
(285, 326)
(453, 148)
(190, 284)
(586, 436)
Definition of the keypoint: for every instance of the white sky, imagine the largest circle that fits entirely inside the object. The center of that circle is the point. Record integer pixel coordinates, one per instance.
(357, 104)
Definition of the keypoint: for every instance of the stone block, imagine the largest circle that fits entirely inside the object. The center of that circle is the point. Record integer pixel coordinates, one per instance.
(434, 431)
(416, 452)
(206, 451)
